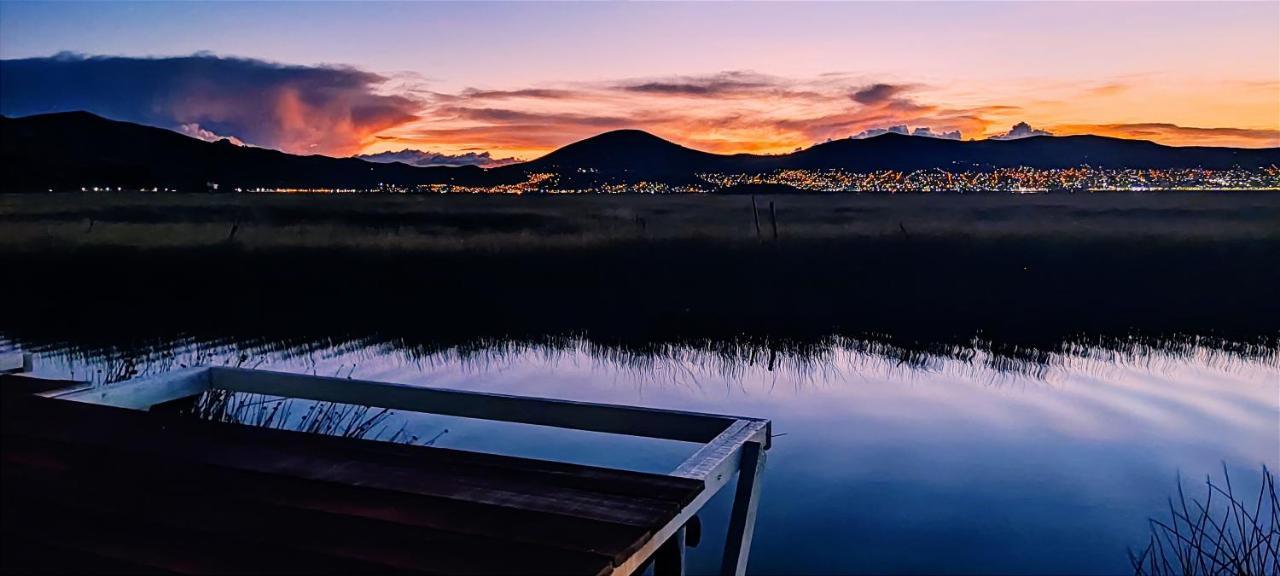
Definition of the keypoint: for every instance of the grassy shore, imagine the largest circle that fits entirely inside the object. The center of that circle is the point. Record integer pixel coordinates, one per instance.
(923, 272)
(464, 222)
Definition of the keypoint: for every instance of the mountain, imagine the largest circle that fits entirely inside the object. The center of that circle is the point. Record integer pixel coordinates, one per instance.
(625, 151)
(77, 149)
(633, 154)
(900, 152)
(622, 155)
(74, 149)
(893, 151)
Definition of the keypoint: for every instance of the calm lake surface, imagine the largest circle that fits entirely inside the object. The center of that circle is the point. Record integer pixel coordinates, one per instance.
(941, 466)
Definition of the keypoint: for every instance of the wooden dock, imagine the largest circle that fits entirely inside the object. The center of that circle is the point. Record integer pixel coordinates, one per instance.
(107, 479)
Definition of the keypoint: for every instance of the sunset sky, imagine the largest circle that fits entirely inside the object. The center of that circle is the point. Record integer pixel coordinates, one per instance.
(516, 80)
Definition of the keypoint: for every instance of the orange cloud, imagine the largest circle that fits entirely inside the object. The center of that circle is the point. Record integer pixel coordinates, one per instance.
(299, 117)
(743, 111)
(299, 109)
(1175, 135)
(729, 112)
(343, 111)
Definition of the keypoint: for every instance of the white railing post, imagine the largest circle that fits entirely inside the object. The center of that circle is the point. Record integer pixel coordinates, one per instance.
(16, 363)
(742, 521)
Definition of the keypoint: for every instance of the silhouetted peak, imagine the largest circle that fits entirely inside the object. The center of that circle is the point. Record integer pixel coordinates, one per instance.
(626, 150)
(626, 137)
(889, 136)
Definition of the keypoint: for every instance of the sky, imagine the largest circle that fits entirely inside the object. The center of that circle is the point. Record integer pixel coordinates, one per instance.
(489, 82)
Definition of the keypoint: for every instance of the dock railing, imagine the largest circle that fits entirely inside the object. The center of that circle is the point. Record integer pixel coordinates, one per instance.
(15, 363)
(731, 446)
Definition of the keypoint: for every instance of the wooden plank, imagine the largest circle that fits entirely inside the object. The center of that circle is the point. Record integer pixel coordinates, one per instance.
(24, 553)
(294, 532)
(658, 507)
(26, 384)
(154, 435)
(157, 476)
(127, 538)
(630, 420)
(461, 462)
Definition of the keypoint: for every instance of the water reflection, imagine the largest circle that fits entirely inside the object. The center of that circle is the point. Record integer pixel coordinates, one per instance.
(887, 460)
(800, 359)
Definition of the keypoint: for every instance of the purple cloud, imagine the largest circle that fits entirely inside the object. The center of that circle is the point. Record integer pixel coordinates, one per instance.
(1021, 130)
(920, 131)
(879, 93)
(422, 158)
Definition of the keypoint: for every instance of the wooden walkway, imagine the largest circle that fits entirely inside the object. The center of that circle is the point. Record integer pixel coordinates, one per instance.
(90, 485)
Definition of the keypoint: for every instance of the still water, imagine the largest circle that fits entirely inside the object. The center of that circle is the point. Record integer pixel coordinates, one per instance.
(943, 465)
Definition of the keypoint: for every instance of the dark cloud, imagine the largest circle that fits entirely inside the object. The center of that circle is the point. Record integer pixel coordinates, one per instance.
(890, 99)
(300, 109)
(721, 84)
(689, 89)
(503, 116)
(879, 93)
(421, 158)
(539, 93)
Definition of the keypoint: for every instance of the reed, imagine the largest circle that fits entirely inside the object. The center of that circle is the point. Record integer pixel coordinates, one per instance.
(327, 418)
(1024, 275)
(1224, 534)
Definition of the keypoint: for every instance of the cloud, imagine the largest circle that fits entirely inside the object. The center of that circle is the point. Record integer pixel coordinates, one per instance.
(722, 84)
(421, 158)
(921, 131)
(873, 132)
(503, 115)
(543, 93)
(299, 109)
(195, 131)
(1108, 89)
(343, 111)
(732, 111)
(929, 133)
(878, 93)
(890, 97)
(1021, 130)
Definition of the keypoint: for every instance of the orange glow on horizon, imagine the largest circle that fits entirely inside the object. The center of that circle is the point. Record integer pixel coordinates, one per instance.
(741, 112)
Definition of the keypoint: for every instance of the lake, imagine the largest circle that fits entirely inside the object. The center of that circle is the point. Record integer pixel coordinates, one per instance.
(960, 383)
(961, 463)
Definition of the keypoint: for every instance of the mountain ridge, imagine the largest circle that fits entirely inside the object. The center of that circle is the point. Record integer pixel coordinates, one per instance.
(69, 150)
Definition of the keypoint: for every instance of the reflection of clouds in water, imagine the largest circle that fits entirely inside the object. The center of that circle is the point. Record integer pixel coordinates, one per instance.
(1051, 468)
(1091, 393)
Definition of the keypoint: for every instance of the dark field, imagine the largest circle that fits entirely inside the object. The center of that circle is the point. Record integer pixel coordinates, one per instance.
(1021, 275)
(465, 222)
